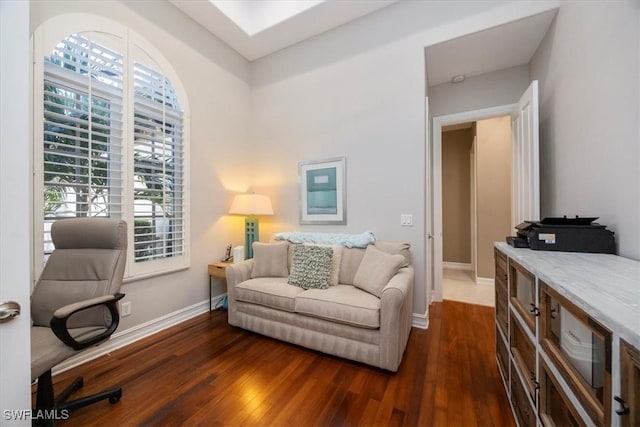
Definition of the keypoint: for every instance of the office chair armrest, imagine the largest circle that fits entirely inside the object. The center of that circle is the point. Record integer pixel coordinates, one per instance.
(61, 315)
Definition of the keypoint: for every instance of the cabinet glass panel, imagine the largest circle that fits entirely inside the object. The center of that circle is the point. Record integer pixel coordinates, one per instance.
(581, 350)
(523, 293)
(555, 407)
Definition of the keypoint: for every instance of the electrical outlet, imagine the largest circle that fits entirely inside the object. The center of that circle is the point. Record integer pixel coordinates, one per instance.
(125, 309)
(406, 220)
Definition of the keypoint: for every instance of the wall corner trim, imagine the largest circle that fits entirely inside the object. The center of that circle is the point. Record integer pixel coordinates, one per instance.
(420, 321)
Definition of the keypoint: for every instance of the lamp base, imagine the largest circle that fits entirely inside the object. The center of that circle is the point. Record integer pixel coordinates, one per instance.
(251, 234)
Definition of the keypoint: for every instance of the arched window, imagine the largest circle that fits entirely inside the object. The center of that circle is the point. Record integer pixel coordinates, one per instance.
(113, 144)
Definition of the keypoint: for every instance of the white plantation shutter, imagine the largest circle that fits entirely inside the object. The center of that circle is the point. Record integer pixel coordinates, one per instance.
(83, 123)
(157, 167)
(99, 161)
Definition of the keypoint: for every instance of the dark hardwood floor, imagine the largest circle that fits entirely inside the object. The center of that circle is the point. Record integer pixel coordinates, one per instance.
(204, 372)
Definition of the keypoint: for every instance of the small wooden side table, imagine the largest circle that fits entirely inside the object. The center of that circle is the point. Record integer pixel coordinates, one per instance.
(217, 270)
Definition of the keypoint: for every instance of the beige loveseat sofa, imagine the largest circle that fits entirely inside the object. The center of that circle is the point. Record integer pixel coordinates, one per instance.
(343, 320)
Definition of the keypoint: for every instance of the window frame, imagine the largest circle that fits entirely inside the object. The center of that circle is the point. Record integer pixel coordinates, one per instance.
(133, 47)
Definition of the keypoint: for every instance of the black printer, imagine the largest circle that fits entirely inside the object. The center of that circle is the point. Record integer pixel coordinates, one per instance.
(564, 234)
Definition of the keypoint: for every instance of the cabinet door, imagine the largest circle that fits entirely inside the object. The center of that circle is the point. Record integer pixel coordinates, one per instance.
(555, 407)
(629, 401)
(522, 290)
(580, 349)
(523, 410)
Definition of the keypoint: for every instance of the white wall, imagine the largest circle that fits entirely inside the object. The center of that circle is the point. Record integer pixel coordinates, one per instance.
(487, 90)
(358, 91)
(588, 69)
(216, 80)
(493, 189)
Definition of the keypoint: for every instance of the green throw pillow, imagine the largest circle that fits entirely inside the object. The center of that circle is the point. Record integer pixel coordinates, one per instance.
(311, 267)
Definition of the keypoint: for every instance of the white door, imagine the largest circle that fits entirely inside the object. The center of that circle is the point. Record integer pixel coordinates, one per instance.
(525, 169)
(428, 212)
(15, 214)
(525, 176)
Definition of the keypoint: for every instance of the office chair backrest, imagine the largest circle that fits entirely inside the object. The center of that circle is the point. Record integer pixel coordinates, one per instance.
(87, 262)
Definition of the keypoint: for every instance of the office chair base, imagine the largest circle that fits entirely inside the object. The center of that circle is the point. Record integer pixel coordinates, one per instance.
(112, 395)
(45, 400)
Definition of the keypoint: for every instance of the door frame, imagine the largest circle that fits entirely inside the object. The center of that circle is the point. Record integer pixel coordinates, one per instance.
(436, 179)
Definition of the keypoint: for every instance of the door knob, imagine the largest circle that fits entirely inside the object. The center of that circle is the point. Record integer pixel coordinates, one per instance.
(9, 310)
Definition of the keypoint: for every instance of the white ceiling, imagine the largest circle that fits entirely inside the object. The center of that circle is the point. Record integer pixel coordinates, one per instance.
(497, 48)
(255, 28)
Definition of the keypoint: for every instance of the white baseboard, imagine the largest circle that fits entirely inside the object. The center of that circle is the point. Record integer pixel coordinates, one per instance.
(420, 321)
(456, 266)
(138, 332)
(484, 281)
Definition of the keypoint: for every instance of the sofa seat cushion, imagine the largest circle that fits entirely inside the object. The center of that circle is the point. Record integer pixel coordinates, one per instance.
(341, 303)
(272, 292)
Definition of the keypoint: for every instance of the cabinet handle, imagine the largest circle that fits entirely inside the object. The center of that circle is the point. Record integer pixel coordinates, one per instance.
(535, 310)
(624, 408)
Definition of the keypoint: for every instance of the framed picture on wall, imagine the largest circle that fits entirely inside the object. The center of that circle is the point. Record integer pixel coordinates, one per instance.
(323, 198)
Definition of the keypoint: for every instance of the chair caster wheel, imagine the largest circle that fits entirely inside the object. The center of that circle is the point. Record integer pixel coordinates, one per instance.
(115, 398)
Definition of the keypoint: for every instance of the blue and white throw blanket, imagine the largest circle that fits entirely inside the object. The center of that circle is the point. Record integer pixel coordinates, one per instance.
(361, 240)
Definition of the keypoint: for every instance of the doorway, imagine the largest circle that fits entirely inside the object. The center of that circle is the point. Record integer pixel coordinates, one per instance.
(476, 205)
(525, 176)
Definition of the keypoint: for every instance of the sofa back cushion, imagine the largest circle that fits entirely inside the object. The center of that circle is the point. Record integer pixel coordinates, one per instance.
(270, 260)
(376, 269)
(352, 257)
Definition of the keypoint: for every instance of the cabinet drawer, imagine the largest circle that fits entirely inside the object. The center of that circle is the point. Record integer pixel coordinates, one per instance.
(501, 264)
(524, 412)
(502, 354)
(502, 308)
(217, 271)
(524, 355)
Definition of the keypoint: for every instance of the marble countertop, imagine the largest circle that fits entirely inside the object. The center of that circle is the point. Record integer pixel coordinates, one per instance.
(607, 287)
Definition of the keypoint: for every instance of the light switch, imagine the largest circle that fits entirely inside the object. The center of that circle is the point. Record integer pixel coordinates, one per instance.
(406, 220)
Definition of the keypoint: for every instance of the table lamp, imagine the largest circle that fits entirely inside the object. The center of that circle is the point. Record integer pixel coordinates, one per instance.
(251, 205)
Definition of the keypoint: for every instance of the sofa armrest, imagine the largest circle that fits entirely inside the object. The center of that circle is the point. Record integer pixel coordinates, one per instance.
(236, 273)
(396, 309)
